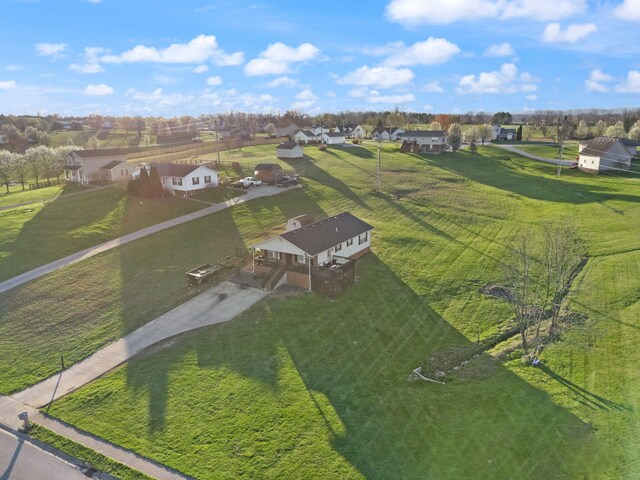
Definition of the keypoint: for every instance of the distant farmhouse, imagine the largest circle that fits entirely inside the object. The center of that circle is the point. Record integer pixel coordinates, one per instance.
(315, 256)
(101, 166)
(507, 134)
(289, 150)
(306, 136)
(606, 154)
(423, 141)
(182, 180)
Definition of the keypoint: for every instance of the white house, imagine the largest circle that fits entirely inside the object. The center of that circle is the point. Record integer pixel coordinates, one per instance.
(117, 172)
(333, 138)
(424, 141)
(306, 136)
(182, 180)
(395, 133)
(288, 131)
(381, 134)
(289, 150)
(304, 256)
(358, 132)
(86, 166)
(603, 153)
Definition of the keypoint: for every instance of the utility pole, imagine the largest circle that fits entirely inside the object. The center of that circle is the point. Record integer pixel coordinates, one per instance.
(563, 132)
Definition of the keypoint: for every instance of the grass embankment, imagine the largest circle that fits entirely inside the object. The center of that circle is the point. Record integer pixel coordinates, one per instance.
(84, 454)
(37, 234)
(309, 382)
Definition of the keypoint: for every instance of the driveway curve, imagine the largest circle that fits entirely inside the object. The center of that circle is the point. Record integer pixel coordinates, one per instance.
(512, 148)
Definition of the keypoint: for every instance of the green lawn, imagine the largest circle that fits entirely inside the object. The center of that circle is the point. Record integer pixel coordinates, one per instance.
(218, 194)
(550, 151)
(37, 234)
(16, 195)
(309, 387)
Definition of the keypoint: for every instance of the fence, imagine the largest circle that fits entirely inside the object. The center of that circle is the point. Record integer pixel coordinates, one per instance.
(48, 183)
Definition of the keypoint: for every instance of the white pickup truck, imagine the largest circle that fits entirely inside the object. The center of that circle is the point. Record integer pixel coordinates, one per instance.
(247, 182)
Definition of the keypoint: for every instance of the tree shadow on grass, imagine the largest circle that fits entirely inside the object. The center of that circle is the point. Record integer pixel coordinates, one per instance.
(308, 168)
(490, 171)
(357, 352)
(584, 396)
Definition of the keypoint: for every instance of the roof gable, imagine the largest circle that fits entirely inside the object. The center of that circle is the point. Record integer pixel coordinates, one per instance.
(325, 234)
(176, 169)
(598, 146)
(287, 146)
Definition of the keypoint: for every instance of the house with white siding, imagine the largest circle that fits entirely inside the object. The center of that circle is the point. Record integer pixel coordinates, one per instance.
(87, 166)
(423, 141)
(182, 180)
(306, 136)
(289, 150)
(606, 154)
(313, 255)
(333, 138)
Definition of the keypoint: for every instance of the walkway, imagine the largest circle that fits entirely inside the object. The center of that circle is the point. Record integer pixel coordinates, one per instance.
(514, 149)
(216, 305)
(264, 191)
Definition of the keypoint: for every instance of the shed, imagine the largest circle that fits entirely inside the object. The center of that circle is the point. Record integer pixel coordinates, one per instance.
(268, 172)
(289, 150)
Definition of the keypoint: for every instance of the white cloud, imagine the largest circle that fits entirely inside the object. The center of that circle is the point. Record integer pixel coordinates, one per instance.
(7, 84)
(531, 98)
(427, 108)
(375, 97)
(505, 80)
(275, 60)
(628, 10)
(500, 50)
(377, 76)
(574, 32)
(98, 90)
(631, 84)
(54, 50)
(543, 10)
(201, 69)
(412, 13)
(306, 98)
(433, 87)
(86, 68)
(14, 68)
(596, 81)
(158, 98)
(214, 81)
(199, 50)
(432, 51)
(282, 82)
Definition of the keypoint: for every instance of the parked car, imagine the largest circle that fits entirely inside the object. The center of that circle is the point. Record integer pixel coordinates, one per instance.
(247, 182)
(287, 181)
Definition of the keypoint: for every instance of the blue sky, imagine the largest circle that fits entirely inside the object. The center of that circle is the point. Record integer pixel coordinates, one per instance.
(151, 57)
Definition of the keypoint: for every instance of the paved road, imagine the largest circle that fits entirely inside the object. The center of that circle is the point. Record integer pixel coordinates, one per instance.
(21, 460)
(514, 149)
(265, 191)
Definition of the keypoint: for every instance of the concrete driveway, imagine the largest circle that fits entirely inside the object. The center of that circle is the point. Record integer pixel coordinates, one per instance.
(514, 149)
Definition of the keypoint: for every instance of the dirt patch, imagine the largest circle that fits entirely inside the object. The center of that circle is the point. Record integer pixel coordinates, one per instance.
(497, 291)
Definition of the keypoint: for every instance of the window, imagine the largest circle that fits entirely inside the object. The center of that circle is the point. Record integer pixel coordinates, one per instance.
(349, 242)
(337, 248)
(195, 180)
(302, 259)
(363, 238)
(274, 255)
(207, 179)
(176, 181)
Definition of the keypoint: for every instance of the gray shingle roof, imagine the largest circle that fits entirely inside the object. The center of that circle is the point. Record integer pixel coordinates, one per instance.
(422, 133)
(174, 169)
(113, 164)
(287, 146)
(598, 146)
(325, 234)
(333, 134)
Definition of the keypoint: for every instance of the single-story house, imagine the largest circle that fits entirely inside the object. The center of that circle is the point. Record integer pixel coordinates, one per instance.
(423, 141)
(86, 166)
(507, 134)
(289, 150)
(306, 136)
(182, 180)
(319, 129)
(604, 153)
(268, 172)
(117, 172)
(358, 132)
(395, 132)
(314, 256)
(381, 134)
(333, 138)
(288, 130)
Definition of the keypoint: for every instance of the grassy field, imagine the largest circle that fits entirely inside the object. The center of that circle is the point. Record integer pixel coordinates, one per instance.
(308, 387)
(116, 139)
(218, 194)
(75, 223)
(549, 151)
(17, 196)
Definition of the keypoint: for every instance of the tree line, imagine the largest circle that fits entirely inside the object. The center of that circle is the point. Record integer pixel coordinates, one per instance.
(35, 164)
